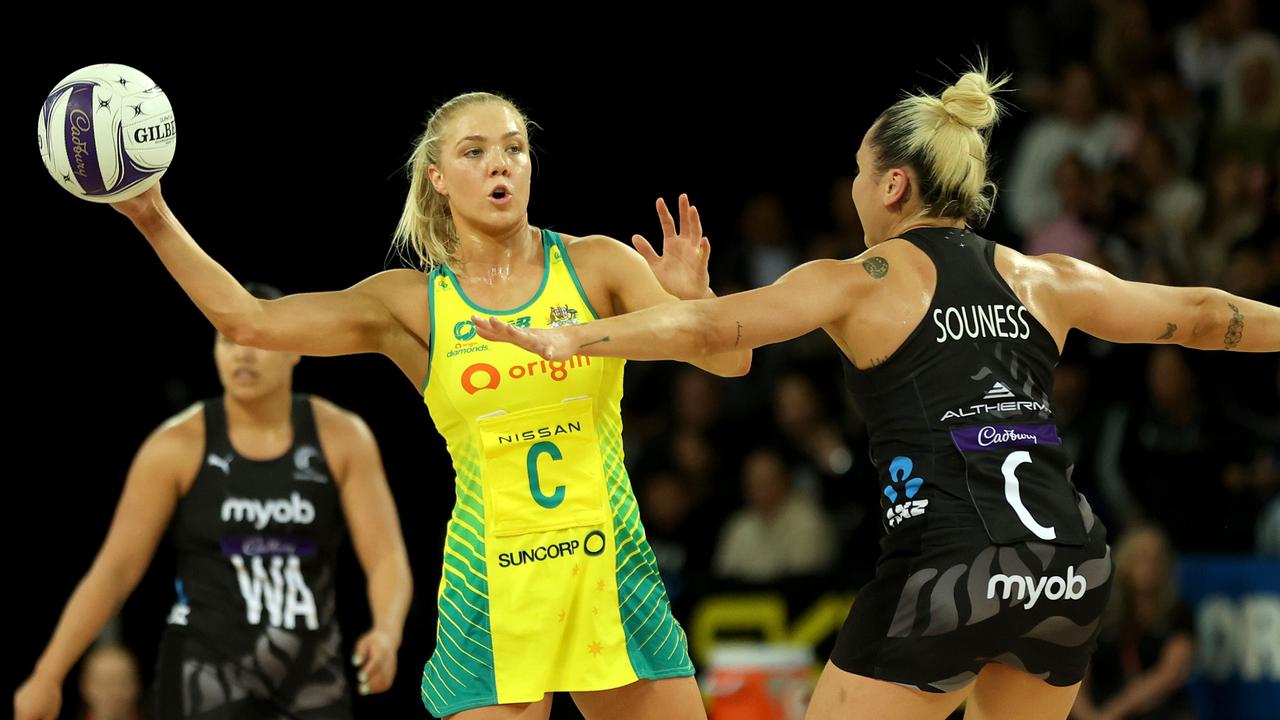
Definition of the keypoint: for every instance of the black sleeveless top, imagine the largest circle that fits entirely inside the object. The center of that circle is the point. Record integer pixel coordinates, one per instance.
(257, 544)
(961, 425)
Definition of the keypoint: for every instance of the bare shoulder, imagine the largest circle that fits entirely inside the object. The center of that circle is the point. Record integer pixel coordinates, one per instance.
(398, 289)
(594, 249)
(180, 433)
(842, 278)
(344, 436)
(340, 429)
(402, 295)
(823, 269)
(579, 242)
(397, 279)
(894, 261)
(1057, 289)
(336, 419)
(175, 449)
(1048, 274)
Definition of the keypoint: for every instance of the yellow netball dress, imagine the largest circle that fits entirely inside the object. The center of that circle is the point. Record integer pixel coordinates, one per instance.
(548, 583)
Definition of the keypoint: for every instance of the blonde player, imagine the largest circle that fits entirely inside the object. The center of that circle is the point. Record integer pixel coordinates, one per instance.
(547, 584)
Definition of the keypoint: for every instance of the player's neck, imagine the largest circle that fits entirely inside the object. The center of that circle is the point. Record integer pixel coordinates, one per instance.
(492, 260)
(510, 248)
(267, 412)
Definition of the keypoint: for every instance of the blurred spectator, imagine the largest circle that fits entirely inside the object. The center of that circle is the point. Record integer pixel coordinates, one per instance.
(843, 239)
(1072, 231)
(109, 684)
(681, 536)
(1205, 45)
(1147, 641)
(780, 532)
(1249, 118)
(1078, 125)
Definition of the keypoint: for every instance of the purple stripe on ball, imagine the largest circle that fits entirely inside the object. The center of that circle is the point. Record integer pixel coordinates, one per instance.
(81, 149)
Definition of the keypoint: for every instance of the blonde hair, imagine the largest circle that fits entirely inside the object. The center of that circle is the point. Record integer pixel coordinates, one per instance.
(425, 235)
(1120, 608)
(944, 139)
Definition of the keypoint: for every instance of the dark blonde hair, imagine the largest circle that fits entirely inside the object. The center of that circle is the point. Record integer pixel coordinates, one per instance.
(944, 139)
(425, 234)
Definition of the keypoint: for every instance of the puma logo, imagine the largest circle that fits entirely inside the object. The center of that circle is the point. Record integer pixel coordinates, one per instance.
(223, 464)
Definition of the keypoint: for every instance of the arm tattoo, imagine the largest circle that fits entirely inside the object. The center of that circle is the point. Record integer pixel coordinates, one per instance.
(876, 267)
(739, 338)
(1235, 329)
(1168, 333)
(604, 339)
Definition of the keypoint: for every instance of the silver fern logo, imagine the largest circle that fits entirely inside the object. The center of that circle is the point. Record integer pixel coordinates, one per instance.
(302, 458)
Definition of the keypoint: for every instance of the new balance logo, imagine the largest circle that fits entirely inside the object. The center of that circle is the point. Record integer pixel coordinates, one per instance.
(998, 392)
